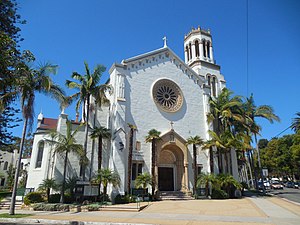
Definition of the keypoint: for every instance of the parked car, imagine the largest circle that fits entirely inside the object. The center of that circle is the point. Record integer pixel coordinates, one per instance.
(276, 185)
(289, 184)
(296, 185)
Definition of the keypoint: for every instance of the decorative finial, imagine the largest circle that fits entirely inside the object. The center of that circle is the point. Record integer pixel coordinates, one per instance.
(165, 41)
(172, 123)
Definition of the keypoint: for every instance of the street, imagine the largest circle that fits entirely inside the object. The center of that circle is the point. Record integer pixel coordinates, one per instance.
(291, 194)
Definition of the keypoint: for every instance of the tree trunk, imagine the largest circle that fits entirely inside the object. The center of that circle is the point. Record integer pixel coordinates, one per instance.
(153, 166)
(62, 193)
(93, 144)
(211, 160)
(14, 192)
(130, 160)
(86, 133)
(48, 194)
(195, 166)
(99, 152)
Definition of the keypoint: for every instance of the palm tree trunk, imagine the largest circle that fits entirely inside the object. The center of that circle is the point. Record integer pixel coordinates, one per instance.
(62, 193)
(259, 165)
(86, 133)
(153, 166)
(195, 167)
(130, 160)
(99, 153)
(14, 192)
(93, 143)
(48, 194)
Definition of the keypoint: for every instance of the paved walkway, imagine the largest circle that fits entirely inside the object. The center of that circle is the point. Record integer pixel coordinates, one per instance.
(246, 211)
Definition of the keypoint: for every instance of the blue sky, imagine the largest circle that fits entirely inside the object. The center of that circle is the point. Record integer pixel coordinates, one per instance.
(69, 32)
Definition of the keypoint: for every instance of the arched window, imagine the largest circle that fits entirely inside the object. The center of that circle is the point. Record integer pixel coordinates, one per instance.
(208, 79)
(207, 47)
(214, 91)
(190, 48)
(5, 165)
(204, 48)
(187, 53)
(197, 48)
(39, 157)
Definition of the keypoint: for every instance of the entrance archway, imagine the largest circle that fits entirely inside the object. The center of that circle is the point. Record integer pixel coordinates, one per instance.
(171, 169)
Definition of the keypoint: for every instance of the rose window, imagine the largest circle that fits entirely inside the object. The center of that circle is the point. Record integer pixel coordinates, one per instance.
(167, 95)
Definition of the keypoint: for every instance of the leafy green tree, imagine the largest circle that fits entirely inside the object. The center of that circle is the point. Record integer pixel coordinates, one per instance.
(10, 176)
(29, 81)
(107, 176)
(66, 144)
(195, 141)
(8, 121)
(100, 133)
(88, 86)
(153, 136)
(47, 185)
(296, 123)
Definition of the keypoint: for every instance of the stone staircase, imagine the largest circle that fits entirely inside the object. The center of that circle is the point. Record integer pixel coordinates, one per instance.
(5, 203)
(175, 195)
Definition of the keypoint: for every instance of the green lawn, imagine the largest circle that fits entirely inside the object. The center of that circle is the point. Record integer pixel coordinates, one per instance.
(6, 215)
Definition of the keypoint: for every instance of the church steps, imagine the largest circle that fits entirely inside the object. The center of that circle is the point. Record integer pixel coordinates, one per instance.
(175, 195)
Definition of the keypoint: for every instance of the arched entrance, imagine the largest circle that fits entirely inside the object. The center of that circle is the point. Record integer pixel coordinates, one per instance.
(171, 169)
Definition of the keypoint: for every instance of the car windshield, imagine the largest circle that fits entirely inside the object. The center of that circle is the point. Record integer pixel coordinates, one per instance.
(275, 182)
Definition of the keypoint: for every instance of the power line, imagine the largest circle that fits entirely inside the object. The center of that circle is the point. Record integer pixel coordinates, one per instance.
(283, 131)
(247, 53)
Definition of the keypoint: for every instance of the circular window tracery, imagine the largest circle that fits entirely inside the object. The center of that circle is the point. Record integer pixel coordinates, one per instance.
(167, 95)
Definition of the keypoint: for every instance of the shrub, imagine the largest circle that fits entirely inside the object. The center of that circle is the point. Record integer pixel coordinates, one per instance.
(33, 197)
(124, 199)
(219, 194)
(54, 198)
(50, 207)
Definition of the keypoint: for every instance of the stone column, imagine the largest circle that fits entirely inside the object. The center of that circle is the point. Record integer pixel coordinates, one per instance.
(211, 52)
(186, 182)
(201, 49)
(186, 55)
(193, 51)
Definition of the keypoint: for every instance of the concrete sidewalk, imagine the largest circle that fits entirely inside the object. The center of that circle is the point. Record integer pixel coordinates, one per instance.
(249, 210)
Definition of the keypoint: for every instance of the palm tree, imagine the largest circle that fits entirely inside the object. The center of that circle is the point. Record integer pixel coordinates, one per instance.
(206, 180)
(46, 185)
(27, 82)
(130, 150)
(153, 136)
(66, 144)
(226, 181)
(296, 123)
(100, 133)
(107, 176)
(224, 112)
(225, 142)
(143, 180)
(195, 141)
(87, 87)
(263, 111)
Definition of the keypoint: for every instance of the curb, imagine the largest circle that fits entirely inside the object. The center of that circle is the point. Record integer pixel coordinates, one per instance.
(14, 221)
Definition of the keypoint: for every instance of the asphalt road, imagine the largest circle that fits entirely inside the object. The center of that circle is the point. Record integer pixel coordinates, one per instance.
(291, 194)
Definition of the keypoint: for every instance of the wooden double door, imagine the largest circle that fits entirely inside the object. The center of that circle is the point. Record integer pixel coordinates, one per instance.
(165, 178)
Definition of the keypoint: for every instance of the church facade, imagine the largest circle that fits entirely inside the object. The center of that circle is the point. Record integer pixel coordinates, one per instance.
(155, 90)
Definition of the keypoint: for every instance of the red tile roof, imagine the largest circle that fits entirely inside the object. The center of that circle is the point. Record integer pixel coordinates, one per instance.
(48, 124)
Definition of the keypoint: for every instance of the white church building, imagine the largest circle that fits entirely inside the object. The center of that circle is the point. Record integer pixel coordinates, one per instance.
(155, 90)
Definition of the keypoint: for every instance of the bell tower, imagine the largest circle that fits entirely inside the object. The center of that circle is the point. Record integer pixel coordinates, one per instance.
(198, 48)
